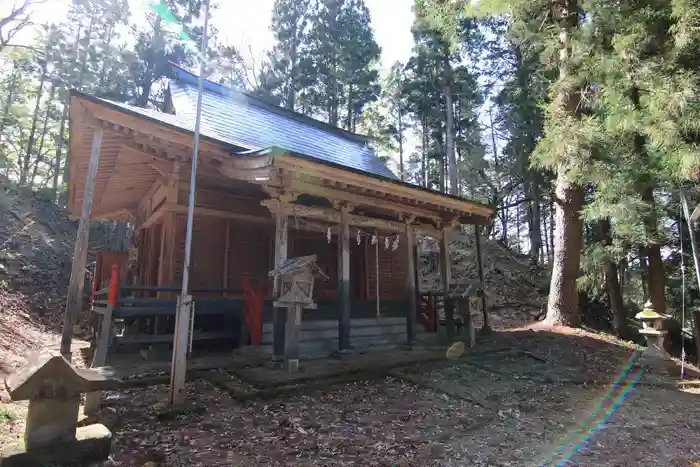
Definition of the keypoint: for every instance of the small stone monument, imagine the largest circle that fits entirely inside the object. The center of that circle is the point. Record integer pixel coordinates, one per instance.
(653, 332)
(296, 276)
(53, 387)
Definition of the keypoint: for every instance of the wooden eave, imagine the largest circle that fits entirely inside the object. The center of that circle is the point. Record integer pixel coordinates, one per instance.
(136, 154)
(401, 197)
(139, 152)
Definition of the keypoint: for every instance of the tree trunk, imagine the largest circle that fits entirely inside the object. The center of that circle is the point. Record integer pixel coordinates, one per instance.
(546, 235)
(550, 235)
(293, 63)
(644, 270)
(8, 101)
(85, 57)
(533, 222)
(24, 168)
(348, 119)
(451, 158)
(656, 276)
(106, 60)
(39, 154)
(424, 151)
(504, 224)
(59, 147)
(622, 273)
(562, 308)
(400, 138)
(62, 125)
(517, 229)
(612, 284)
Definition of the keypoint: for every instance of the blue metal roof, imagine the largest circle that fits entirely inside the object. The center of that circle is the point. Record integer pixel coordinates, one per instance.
(241, 120)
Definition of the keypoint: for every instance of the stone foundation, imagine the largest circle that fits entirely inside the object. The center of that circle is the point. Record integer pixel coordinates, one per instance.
(91, 444)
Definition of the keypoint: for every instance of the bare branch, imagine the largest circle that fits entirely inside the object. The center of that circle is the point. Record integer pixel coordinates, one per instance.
(16, 20)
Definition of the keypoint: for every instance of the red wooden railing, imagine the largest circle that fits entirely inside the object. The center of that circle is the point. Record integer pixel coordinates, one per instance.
(428, 311)
(113, 293)
(253, 301)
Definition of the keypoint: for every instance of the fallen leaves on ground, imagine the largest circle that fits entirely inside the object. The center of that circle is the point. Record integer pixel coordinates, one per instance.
(506, 408)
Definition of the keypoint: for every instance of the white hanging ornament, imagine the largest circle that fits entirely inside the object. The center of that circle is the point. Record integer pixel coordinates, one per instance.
(359, 240)
(395, 245)
(374, 239)
(386, 243)
(328, 235)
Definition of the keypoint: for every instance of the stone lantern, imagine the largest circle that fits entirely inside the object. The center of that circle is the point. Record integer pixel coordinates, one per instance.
(296, 278)
(653, 332)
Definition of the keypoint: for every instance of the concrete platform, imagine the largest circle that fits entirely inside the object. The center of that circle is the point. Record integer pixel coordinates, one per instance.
(355, 363)
(319, 338)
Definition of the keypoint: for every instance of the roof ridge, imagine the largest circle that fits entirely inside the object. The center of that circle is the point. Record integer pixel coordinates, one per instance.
(191, 79)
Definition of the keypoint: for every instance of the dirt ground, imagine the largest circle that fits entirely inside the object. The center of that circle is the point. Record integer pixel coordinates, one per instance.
(508, 407)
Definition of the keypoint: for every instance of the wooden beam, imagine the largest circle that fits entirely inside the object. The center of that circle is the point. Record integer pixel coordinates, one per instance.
(146, 203)
(77, 275)
(112, 214)
(208, 212)
(162, 263)
(227, 247)
(344, 280)
(446, 275)
(261, 175)
(280, 314)
(696, 214)
(333, 216)
(145, 129)
(290, 162)
(411, 283)
(155, 216)
(480, 269)
(362, 200)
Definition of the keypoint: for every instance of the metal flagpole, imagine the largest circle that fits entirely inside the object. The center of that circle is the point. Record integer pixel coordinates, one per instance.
(691, 234)
(184, 304)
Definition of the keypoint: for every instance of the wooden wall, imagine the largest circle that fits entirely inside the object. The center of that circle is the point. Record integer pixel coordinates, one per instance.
(392, 271)
(103, 266)
(219, 262)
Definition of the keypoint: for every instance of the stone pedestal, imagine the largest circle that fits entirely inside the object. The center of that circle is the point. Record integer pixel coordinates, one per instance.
(653, 332)
(53, 387)
(51, 421)
(89, 444)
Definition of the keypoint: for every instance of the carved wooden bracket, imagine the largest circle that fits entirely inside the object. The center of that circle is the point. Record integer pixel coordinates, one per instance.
(343, 206)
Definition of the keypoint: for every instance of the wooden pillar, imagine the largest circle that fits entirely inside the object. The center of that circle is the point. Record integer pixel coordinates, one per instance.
(411, 283)
(77, 274)
(292, 338)
(446, 274)
(99, 359)
(480, 269)
(227, 247)
(279, 318)
(166, 272)
(344, 280)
